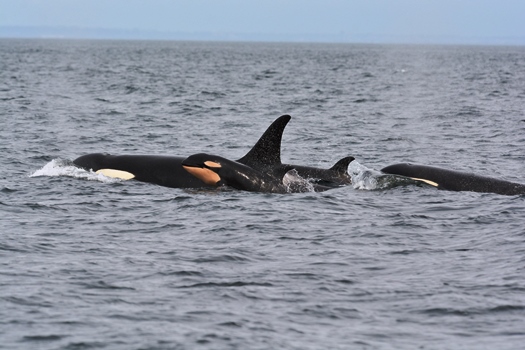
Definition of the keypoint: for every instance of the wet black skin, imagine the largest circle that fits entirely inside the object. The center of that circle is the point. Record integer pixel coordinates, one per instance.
(265, 156)
(161, 170)
(455, 180)
(242, 177)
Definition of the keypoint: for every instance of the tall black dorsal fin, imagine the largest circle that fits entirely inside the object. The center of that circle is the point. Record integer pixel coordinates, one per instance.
(342, 165)
(267, 151)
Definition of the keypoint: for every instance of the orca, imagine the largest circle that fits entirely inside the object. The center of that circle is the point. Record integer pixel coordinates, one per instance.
(167, 170)
(218, 171)
(453, 180)
(335, 176)
(161, 170)
(265, 157)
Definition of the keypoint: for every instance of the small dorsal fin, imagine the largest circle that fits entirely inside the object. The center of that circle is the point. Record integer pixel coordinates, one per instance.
(342, 165)
(267, 151)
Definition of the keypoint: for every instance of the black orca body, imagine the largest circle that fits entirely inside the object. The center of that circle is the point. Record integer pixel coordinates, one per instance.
(455, 180)
(161, 170)
(336, 176)
(218, 171)
(168, 171)
(264, 157)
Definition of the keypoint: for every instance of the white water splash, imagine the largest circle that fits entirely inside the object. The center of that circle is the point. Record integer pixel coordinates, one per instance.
(59, 167)
(295, 183)
(363, 178)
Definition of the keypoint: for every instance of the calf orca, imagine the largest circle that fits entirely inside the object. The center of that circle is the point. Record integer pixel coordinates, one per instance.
(265, 157)
(454, 180)
(218, 171)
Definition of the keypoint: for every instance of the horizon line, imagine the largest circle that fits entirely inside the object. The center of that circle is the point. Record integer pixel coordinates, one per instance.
(62, 32)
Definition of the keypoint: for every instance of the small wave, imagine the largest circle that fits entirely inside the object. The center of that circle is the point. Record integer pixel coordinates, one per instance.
(103, 285)
(41, 338)
(60, 167)
(448, 311)
(7, 190)
(221, 258)
(228, 284)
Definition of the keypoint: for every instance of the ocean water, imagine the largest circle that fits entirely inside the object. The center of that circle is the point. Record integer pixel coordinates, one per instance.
(88, 262)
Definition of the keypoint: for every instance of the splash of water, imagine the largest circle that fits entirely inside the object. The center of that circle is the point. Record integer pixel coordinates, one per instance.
(364, 178)
(295, 183)
(60, 167)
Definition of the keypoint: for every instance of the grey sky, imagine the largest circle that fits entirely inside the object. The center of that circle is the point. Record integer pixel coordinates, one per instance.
(443, 21)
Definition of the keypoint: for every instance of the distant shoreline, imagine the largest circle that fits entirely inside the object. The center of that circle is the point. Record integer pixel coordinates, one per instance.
(135, 34)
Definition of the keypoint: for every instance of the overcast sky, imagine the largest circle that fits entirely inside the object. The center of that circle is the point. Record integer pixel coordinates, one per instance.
(440, 21)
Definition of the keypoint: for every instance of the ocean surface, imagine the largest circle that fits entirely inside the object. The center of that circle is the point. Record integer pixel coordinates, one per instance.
(88, 262)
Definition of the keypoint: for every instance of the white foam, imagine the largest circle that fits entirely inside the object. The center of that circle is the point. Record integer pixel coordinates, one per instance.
(59, 167)
(363, 178)
(295, 183)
